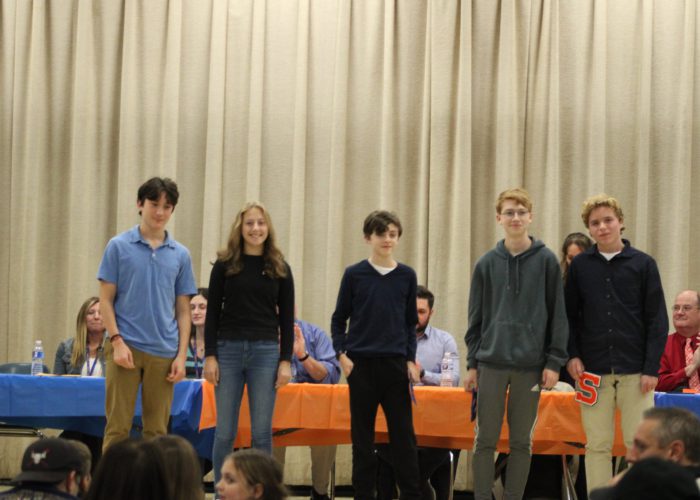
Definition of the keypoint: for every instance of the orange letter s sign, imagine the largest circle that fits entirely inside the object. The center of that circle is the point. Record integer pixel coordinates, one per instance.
(586, 392)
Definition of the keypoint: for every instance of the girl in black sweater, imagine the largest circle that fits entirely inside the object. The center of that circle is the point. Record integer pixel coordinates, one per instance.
(249, 330)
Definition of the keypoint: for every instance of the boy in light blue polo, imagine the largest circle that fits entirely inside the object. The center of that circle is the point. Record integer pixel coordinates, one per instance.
(146, 281)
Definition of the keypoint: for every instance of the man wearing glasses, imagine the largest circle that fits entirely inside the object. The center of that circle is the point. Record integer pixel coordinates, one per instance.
(516, 341)
(681, 358)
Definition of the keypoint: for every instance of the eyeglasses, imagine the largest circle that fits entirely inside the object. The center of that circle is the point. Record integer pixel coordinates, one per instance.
(509, 214)
(685, 308)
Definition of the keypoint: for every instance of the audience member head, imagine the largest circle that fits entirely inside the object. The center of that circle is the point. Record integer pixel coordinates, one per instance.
(424, 306)
(378, 221)
(85, 466)
(133, 469)
(198, 307)
(251, 475)
(54, 462)
(574, 244)
(154, 188)
(88, 321)
(669, 433)
(686, 313)
(654, 479)
(252, 231)
(183, 467)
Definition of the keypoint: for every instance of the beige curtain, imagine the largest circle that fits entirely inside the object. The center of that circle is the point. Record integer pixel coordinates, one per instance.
(325, 110)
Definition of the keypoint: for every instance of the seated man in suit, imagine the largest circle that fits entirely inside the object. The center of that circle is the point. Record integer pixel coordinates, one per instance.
(681, 357)
(314, 362)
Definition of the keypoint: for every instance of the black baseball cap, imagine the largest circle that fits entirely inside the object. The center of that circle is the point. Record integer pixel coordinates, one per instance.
(49, 460)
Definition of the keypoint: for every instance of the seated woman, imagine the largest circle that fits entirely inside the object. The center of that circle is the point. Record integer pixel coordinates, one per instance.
(83, 355)
(195, 353)
(251, 475)
(574, 244)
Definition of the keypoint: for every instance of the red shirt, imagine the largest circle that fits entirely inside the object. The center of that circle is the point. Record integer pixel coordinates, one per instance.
(672, 370)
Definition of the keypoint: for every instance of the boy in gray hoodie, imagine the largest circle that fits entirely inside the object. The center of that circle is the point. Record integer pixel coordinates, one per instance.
(516, 341)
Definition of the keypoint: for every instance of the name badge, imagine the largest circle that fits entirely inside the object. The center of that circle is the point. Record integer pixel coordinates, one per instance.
(586, 389)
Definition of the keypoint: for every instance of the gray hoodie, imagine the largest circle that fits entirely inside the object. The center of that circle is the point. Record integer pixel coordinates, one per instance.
(517, 317)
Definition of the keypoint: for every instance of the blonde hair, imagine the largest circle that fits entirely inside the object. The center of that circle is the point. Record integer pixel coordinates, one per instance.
(600, 200)
(518, 195)
(80, 343)
(232, 254)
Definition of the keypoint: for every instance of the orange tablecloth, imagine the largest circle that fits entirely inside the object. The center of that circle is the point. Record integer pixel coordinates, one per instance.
(319, 414)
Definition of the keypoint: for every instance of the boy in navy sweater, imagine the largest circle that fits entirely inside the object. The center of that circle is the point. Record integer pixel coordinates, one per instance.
(377, 354)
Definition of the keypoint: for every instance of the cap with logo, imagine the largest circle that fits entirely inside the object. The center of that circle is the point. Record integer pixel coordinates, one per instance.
(48, 460)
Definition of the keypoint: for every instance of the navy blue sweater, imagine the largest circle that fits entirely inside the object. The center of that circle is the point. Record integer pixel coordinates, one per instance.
(617, 312)
(381, 310)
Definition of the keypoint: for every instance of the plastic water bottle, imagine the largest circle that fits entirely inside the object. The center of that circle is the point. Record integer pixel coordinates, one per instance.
(447, 370)
(38, 358)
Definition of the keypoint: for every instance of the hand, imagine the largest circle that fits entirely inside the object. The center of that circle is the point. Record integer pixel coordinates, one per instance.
(694, 364)
(177, 370)
(346, 365)
(549, 378)
(122, 355)
(211, 370)
(299, 342)
(470, 380)
(413, 372)
(284, 374)
(575, 368)
(648, 383)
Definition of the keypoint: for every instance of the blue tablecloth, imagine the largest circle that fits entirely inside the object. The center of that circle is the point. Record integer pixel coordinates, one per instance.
(78, 404)
(688, 401)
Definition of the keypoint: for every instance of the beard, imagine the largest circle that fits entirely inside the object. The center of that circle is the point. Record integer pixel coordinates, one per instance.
(420, 328)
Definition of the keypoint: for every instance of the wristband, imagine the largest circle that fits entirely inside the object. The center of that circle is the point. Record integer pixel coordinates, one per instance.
(304, 358)
(114, 337)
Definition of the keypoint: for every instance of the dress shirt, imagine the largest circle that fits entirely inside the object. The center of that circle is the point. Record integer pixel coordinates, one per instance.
(431, 348)
(672, 371)
(319, 347)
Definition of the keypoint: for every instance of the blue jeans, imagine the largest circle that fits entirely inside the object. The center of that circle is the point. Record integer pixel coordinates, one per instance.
(244, 362)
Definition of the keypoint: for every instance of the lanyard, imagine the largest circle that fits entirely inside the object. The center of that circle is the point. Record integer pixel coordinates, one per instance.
(90, 370)
(197, 369)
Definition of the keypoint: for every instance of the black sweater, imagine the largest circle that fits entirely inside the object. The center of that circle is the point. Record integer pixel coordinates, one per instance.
(382, 312)
(244, 306)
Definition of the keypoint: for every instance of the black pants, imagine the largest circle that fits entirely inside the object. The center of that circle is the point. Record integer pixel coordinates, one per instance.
(374, 382)
(433, 463)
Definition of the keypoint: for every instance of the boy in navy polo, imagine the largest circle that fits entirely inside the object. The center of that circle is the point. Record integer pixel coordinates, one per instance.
(146, 281)
(377, 354)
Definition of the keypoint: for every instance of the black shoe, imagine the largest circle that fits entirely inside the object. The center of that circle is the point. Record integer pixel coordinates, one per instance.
(318, 496)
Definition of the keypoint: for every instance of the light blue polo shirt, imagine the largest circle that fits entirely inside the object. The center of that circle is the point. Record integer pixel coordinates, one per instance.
(148, 281)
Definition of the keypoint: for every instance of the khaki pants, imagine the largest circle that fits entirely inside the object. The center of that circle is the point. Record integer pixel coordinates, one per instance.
(122, 385)
(615, 391)
(322, 458)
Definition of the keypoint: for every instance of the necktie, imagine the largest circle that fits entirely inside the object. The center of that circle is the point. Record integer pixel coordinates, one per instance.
(694, 380)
